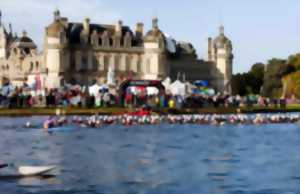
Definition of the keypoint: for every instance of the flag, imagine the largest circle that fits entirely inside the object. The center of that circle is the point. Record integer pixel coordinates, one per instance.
(38, 83)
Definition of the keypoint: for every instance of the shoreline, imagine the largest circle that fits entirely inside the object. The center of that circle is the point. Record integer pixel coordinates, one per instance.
(41, 111)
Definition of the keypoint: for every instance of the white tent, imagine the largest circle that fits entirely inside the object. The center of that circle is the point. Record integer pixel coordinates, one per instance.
(94, 90)
(178, 88)
(166, 83)
(189, 87)
(152, 90)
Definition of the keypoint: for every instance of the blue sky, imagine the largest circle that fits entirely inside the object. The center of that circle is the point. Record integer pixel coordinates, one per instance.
(259, 29)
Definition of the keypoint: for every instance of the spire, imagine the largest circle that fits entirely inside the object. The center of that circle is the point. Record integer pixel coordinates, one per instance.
(10, 29)
(0, 17)
(221, 30)
(155, 23)
(56, 15)
(24, 33)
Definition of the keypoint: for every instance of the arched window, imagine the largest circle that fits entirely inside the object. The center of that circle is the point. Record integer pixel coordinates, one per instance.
(31, 66)
(84, 61)
(117, 62)
(128, 63)
(95, 62)
(148, 66)
(139, 69)
(15, 51)
(106, 62)
(36, 65)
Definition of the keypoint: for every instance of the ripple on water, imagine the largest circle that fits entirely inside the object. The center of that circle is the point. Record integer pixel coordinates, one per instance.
(92, 161)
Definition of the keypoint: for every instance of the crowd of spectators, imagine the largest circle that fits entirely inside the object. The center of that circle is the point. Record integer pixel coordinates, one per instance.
(77, 97)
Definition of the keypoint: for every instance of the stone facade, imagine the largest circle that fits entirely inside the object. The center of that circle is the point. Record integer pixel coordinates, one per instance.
(82, 53)
(220, 54)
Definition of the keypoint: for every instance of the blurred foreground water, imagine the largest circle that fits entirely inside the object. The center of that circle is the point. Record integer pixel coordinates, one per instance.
(158, 159)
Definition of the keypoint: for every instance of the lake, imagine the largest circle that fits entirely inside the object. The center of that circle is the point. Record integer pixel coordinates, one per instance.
(157, 159)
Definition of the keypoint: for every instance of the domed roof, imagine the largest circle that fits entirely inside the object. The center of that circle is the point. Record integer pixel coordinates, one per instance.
(54, 29)
(24, 39)
(153, 35)
(222, 41)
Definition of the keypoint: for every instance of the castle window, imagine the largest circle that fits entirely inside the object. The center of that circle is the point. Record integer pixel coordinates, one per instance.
(128, 63)
(31, 66)
(36, 65)
(139, 64)
(7, 67)
(15, 51)
(105, 39)
(106, 62)
(117, 41)
(27, 51)
(84, 61)
(148, 66)
(95, 63)
(117, 62)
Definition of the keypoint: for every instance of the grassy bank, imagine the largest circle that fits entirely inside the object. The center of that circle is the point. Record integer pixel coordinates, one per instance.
(117, 110)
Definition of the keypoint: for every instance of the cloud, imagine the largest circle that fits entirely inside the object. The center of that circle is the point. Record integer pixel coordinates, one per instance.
(34, 15)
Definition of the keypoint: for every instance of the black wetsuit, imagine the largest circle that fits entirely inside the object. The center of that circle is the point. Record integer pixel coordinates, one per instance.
(3, 165)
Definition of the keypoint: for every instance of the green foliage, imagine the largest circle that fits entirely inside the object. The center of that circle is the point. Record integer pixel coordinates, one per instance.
(267, 79)
(292, 84)
(276, 69)
(250, 82)
(294, 60)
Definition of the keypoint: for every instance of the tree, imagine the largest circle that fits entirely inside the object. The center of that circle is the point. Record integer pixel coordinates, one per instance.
(294, 61)
(237, 83)
(250, 82)
(257, 77)
(272, 86)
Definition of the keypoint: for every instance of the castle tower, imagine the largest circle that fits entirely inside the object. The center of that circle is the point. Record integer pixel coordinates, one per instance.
(220, 53)
(3, 39)
(55, 43)
(154, 60)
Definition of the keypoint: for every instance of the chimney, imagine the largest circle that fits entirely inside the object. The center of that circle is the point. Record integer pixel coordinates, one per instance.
(118, 28)
(139, 30)
(86, 25)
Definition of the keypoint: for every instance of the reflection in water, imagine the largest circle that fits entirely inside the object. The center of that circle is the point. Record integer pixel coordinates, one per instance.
(155, 159)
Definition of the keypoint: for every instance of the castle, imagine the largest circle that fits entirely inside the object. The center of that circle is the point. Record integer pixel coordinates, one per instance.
(83, 53)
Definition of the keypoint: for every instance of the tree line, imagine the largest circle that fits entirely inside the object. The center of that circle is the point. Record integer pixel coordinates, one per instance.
(276, 78)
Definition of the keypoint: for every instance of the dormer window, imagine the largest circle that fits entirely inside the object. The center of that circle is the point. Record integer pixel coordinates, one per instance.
(105, 39)
(127, 40)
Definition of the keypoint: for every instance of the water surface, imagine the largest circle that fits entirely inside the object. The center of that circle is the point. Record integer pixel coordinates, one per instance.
(156, 159)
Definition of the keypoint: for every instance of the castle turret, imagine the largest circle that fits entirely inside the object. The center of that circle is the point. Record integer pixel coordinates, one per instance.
(118, 28)
(220, 52)
(154, 65)
(55, 42)
(139, 30)
(3, 39)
